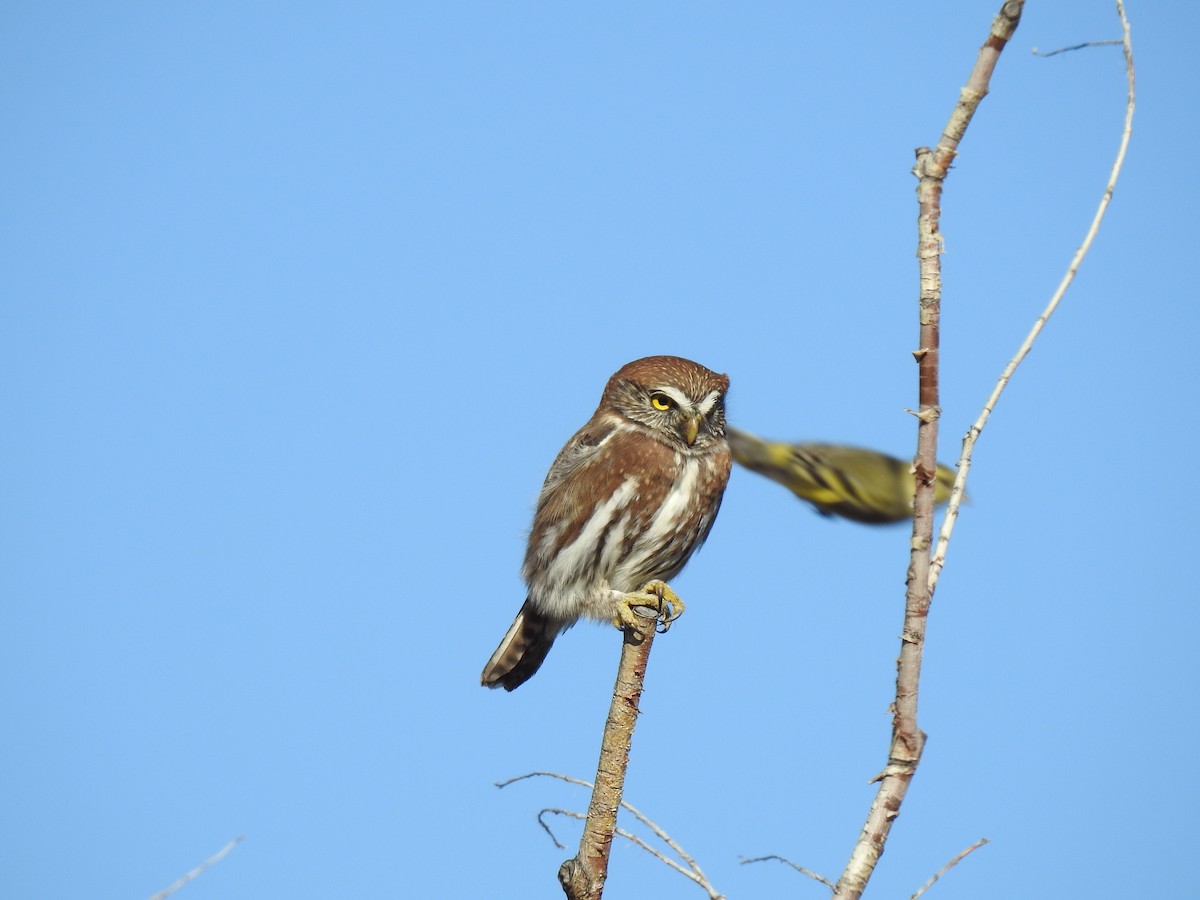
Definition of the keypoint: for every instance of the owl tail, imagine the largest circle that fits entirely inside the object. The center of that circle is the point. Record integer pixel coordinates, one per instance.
(522, 651)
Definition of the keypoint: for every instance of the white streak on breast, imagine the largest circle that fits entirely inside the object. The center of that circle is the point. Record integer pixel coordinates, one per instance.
(676, 503)
(570, 570)
(663, 528)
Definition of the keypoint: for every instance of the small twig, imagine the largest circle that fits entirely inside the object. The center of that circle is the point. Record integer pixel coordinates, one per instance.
(634, 839)
(1037, 52)
(968, 446)
(557, 812)
(200, 869)
(803, 871)
(693, 871)
(948, 866)
(700, 878)
(539, 774)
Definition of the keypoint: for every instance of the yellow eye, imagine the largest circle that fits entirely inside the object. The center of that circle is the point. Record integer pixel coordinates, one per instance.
(661, 401)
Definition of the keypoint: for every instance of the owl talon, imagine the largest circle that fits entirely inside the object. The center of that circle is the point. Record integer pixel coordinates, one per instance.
(656, 595)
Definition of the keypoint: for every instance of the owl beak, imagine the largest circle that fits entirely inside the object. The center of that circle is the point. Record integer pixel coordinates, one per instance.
(693, 428)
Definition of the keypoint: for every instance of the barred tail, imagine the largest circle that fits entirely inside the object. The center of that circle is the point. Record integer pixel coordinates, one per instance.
(522, 650)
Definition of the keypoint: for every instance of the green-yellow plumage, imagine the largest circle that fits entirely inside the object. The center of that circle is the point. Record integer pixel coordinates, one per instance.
(851, 482)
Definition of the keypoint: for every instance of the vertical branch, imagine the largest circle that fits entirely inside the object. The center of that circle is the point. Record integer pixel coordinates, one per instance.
(583, 877)
(907, 739)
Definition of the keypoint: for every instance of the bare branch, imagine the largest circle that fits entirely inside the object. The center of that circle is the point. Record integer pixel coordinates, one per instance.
(582, 877)
(803, 871)
(948, 866)
(200, 869)
(1037, 52)
(697, 876)
(693, 871)
(540, 774)
(908, 740)
(964, 463)
(700, 877)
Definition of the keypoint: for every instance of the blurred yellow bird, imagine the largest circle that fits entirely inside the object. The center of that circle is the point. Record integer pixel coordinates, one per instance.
(851, 482)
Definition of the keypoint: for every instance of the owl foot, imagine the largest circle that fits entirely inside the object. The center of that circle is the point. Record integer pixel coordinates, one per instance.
(656, 595)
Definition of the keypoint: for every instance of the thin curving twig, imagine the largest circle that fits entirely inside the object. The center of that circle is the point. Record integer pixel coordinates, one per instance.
(698, 878)
(948, 866)
(693, 870)
(803, 871)
(200, 869)
(964, 462)
(1084, 45)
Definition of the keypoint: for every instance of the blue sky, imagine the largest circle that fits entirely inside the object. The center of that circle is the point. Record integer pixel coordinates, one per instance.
(301, 301)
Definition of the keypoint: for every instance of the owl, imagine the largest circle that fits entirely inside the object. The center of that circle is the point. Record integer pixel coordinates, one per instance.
(627, 501)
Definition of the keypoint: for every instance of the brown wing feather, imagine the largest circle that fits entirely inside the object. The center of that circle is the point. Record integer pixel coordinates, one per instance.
(580, 481)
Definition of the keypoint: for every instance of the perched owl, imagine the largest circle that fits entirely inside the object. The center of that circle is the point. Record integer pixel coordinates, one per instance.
(627, 501)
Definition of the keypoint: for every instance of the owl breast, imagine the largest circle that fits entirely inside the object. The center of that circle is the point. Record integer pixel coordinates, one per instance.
(664, 545)
(647, 528)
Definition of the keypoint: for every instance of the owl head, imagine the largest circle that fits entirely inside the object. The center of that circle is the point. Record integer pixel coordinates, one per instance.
(679, 402)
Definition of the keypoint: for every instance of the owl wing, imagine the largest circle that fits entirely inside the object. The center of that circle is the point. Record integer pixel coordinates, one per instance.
(606, 471)
(585, 445)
